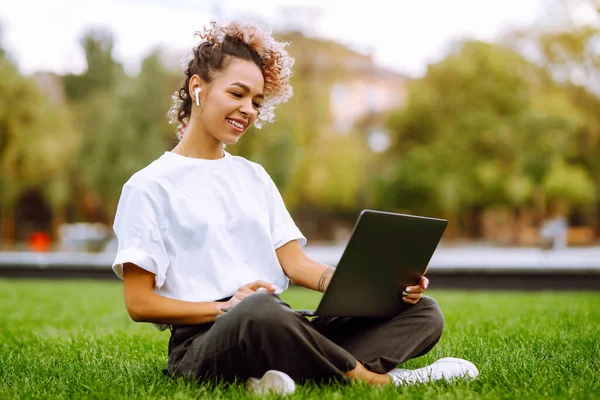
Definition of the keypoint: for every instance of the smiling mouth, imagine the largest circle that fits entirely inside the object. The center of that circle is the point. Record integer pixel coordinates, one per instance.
(236, 124)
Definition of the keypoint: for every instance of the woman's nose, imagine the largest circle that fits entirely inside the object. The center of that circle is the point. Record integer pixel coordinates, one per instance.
(248, 109)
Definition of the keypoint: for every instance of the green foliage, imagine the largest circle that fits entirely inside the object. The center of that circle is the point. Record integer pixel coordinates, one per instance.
(103, 72)
(331, 175)
(126, 131)
(37, 139)
(483, 127)
(569, 181)
(123, 120)
(569, 52)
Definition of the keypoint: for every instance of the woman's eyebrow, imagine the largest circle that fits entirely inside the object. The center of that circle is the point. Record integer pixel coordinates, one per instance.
(247, 89)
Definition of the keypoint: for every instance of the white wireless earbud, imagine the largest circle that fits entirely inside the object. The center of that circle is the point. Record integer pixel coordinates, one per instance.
(196, 91)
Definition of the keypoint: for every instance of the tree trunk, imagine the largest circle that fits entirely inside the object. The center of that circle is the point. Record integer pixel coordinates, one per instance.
(453, 229)
(596, 220)
(58, 218)
(539, 204)
(7, 227)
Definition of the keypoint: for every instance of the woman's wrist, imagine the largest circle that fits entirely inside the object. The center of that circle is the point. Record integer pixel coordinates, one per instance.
(207, 312)
(221, 307)
(325, 278)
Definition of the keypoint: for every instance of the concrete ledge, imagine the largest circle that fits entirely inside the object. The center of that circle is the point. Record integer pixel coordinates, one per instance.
(452, 279)
(515, 280)
(450, 268)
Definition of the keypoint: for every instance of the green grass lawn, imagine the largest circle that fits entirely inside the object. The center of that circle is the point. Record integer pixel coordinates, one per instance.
(73, 339)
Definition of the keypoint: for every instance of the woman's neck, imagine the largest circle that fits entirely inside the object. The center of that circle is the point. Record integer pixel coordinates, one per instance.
(198, 144)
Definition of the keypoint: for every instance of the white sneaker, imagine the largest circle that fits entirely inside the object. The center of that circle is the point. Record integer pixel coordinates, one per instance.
(275, 382)
(445, 368)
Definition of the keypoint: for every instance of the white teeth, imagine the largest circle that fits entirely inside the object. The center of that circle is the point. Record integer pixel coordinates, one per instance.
(235, 123)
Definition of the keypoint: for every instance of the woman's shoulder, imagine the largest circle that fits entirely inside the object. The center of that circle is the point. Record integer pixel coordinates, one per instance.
(148, 178)
(251, 166)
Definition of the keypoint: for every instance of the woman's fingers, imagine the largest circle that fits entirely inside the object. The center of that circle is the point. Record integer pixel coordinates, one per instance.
(249, 289)
(253, 287)
(412, 298)
(414, 289)
(412, 295)
(245, 291)
(261, 284)
(242, 293)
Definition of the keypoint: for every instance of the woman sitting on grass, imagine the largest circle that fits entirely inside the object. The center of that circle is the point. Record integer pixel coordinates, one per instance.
(200, 230)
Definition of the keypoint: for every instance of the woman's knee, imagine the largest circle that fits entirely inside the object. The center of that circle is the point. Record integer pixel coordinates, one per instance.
(433, 314)
(258, 300)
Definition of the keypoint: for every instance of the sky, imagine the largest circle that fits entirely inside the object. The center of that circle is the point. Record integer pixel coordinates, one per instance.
(403, 35)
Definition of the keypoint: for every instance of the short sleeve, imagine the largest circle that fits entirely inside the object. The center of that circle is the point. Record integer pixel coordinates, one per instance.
(139, 239)
(283, 227)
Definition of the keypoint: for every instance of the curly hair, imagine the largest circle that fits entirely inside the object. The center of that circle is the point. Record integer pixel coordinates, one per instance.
(246, 41)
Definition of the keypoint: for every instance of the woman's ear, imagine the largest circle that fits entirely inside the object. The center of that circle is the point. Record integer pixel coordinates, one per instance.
(195, 83)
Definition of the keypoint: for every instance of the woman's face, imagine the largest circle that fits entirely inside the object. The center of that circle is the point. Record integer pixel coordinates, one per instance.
(232, 100)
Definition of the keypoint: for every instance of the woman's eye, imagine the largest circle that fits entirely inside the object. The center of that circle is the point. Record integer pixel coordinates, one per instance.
(257, 105)
(238, 95)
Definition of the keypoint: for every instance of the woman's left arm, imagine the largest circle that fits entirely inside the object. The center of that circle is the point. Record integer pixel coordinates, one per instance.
(301, 270)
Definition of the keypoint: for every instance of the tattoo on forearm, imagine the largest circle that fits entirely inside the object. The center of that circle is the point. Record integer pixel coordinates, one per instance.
(325, 279)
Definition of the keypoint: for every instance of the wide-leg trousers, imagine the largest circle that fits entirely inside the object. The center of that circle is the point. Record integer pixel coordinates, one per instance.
(263, 333)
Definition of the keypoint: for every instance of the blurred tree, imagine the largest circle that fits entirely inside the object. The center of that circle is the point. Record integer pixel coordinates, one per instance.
(482, 128)
(571, 182)
(567, 46)
(123, 121)
(141, 131)
(92, 96)
(37, 144)
(125, 130)
(103, 72)
(2, 52)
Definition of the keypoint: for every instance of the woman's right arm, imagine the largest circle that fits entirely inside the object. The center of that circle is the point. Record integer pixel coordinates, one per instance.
(144, 305)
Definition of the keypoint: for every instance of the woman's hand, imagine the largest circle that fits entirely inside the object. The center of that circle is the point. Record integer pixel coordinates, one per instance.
(412, 294)
(247, 290)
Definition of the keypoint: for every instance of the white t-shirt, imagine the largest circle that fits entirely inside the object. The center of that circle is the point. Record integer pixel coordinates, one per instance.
(203, 227)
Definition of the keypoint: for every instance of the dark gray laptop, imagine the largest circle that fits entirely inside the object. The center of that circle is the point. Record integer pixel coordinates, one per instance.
(385, 253)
